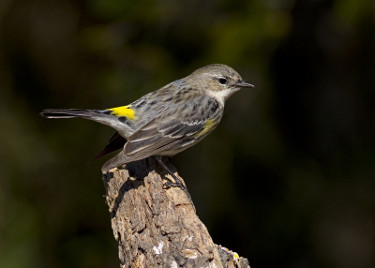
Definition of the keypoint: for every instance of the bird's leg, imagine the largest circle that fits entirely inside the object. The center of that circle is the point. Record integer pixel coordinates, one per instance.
(177, 182)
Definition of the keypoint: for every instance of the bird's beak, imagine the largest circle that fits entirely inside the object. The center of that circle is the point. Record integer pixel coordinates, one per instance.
(244, 84)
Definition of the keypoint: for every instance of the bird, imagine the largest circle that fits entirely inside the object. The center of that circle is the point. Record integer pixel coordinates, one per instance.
(166, 121)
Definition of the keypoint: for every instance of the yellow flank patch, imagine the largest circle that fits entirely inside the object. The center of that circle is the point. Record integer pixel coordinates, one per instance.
(207, 127)
(125, 111)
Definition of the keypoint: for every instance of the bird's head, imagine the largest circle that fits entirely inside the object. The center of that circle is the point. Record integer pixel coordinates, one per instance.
(218, 80)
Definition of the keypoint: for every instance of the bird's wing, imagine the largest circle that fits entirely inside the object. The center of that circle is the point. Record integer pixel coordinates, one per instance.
(156, 137)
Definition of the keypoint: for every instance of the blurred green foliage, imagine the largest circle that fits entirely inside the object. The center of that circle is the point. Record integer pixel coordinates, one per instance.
(287, 180)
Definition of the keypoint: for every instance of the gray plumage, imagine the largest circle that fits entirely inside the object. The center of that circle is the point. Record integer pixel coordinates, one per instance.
(166, 121)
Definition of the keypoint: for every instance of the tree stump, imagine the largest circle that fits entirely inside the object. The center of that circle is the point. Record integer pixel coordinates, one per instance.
(157, 226)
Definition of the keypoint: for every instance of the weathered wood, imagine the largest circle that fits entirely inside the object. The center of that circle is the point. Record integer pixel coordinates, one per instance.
(158, 227)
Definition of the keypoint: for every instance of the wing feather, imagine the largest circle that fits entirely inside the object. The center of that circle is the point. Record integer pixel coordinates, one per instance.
(155, 137)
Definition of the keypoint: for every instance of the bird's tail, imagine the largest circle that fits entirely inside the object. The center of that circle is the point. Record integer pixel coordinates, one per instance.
(109, 117)
(104, 117)
(69, 113)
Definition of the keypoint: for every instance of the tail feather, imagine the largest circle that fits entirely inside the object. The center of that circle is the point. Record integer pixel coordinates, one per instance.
(101, 116)
(67, 113)
(116, 142)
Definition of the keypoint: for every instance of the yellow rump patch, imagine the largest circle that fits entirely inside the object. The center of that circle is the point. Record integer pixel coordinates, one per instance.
(125, 111)
(206, 128)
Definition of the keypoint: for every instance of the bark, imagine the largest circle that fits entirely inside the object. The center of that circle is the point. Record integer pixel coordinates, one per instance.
(157, 226)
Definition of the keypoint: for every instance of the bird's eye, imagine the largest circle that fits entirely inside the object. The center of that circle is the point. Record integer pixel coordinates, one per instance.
(222, 81)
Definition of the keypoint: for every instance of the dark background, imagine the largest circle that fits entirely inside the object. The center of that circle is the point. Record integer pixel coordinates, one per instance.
(286, 180)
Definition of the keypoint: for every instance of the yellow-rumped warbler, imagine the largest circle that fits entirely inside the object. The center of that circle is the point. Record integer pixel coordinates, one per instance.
(166, 121)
